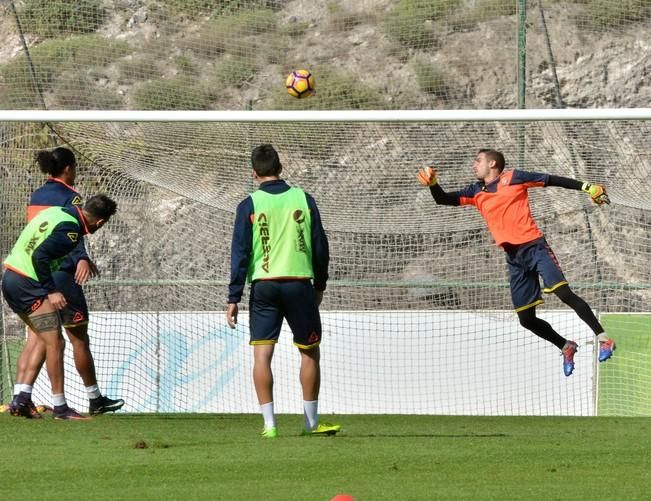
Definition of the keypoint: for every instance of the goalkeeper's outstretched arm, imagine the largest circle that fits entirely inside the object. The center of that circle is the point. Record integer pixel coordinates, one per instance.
(596, 191)
(443, 198)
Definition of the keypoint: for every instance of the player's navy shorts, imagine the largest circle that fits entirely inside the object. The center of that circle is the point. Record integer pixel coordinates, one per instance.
(76, 311)
(24, 296)
(525, 263)
(271, 301)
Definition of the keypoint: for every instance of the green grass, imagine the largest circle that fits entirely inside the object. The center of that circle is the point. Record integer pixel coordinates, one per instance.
(375, 458)
(624, 381)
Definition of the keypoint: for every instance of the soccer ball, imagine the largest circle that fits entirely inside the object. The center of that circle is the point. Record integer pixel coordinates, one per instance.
(300, 83)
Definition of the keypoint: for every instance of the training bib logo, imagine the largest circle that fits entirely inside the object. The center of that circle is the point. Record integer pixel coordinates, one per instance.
(299, 217)
(264, 240)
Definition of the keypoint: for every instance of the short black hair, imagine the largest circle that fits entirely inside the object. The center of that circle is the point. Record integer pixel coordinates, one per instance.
(55, 161)
(496, 156)
(100, 206)
(265, 161)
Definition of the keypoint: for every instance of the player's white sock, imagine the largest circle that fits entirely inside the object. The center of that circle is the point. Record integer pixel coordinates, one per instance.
(311, 414)
(268, 415)
(58, 399)
(25, 388)
(603, 337)
(93, 392)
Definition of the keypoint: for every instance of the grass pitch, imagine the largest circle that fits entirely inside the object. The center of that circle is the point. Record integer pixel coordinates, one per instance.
(375, 458)
(625, 381)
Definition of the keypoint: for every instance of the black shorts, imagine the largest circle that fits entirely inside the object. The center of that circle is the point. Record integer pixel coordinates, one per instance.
(76, 311)
(24, 296)
(525, 265)
(271, 301)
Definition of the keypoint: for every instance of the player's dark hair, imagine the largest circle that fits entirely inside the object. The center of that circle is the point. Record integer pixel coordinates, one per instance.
(496, 156)
(265, 161)
(53, 162)
(100, 206)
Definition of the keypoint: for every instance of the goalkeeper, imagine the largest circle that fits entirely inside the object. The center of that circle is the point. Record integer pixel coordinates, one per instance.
(502, 199)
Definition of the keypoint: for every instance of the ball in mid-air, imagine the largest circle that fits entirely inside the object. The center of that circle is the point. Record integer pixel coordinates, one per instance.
(300, 83)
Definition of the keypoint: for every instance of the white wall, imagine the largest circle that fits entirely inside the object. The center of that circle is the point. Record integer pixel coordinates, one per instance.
(410, 362)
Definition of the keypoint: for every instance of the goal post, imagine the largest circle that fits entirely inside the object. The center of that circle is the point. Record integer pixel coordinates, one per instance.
(417, 315)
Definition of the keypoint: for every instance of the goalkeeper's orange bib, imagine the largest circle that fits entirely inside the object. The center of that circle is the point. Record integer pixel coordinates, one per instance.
(506, 210)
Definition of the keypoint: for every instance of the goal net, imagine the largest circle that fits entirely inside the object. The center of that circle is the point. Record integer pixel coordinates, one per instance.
(417, 315)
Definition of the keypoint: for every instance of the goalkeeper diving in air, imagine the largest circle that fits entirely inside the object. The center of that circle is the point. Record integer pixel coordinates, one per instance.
(501, 198)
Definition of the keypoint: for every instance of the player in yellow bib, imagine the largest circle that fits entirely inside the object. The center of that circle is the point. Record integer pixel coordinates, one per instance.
(280, 246)
(30, 290)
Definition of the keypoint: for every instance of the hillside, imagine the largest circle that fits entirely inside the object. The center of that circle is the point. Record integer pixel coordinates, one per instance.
(139, 54)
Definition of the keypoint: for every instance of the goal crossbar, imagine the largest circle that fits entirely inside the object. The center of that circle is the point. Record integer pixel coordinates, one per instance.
(325, 115)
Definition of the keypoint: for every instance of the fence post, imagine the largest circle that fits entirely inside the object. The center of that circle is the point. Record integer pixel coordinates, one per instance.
(522, 75)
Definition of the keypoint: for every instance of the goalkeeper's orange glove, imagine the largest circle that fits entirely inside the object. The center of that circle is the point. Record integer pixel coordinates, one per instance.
(427, 176)
(597, 192)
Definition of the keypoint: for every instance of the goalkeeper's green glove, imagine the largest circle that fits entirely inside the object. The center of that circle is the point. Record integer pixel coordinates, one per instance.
(597, 192)
(427, 176)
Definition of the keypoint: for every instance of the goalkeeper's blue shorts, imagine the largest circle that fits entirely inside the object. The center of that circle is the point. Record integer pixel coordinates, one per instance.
(271, 301)
(526, 262)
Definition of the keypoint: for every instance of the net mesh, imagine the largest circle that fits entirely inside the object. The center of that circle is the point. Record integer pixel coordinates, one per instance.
(417, 316)
(370, 54)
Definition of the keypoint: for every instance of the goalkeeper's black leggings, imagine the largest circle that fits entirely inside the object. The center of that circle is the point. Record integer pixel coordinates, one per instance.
(582, 308)
(541, 328)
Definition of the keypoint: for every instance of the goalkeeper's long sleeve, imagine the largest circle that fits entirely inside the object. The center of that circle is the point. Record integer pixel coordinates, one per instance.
(564, 182)
(443, 198)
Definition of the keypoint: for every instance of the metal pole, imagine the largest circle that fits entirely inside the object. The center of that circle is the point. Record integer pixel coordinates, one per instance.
(522, 75)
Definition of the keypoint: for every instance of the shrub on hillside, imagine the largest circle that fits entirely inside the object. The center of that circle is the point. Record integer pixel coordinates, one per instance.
(407, 23)
(234, 72)
(169, 94)
(431, 79)
(614, 13)
(82, 94)
(52, 58)
(56, 18)
(233, 34)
